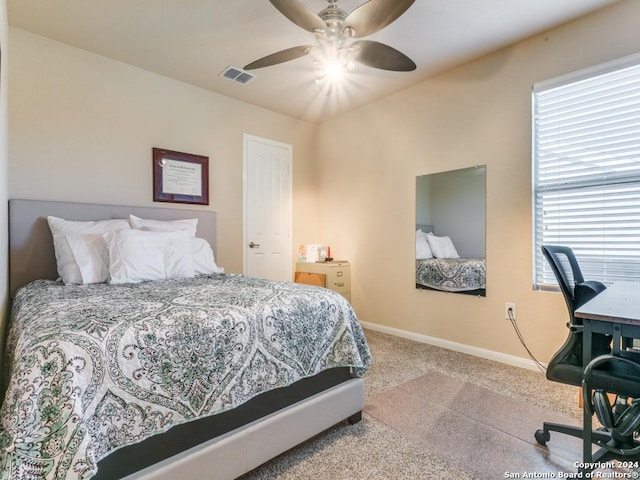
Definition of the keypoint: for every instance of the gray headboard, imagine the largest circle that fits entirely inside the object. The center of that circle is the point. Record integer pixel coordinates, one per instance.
(31, 254)
(425, 228)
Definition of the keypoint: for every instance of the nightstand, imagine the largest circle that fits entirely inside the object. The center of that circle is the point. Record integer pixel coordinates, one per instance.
(334, 275)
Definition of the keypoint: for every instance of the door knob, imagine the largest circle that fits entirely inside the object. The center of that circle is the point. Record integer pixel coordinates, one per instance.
(253, 245)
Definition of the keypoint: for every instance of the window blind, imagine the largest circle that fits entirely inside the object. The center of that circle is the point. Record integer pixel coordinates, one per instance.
(586, 171)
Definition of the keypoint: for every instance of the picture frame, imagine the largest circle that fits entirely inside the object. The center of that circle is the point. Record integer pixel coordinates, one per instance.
(180, 177)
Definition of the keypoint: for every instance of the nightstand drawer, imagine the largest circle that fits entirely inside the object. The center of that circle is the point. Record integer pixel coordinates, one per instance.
(339, 279)
(335, 276)
(310, 278)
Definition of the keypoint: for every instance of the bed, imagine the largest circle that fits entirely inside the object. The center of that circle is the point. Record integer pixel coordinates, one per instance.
(98, 386)
(438, 266)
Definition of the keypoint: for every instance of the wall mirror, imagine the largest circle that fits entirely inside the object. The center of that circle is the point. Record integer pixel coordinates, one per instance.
(450, 231)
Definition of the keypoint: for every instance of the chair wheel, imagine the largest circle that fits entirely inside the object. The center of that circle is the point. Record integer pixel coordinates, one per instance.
(541, 437)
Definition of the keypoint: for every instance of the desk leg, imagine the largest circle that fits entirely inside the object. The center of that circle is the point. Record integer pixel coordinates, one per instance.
(587, 421)
(616, 344)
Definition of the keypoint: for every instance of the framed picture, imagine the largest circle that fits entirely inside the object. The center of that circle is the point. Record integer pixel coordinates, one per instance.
(180, 177)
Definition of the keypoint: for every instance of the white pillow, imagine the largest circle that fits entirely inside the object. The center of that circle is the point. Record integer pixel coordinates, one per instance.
(442, 247)
(203, 260)
(87, 253)
(138, 256)
(91, 256)
(422, 245)
(188, 225)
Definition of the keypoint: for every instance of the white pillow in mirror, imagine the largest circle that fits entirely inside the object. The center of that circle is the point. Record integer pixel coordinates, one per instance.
(138, 256)
(78, 249)
(422, 245)
(187, 225)
(442, 247)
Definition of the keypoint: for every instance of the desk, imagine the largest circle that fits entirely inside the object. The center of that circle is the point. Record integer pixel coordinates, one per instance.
(616, 312)
(619, 303)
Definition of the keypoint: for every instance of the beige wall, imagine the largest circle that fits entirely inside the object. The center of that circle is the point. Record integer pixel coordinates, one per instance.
(4, 46)
(476, 114)
(82, 127)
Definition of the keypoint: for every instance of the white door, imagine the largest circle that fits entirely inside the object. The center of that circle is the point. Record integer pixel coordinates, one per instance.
(267, 209)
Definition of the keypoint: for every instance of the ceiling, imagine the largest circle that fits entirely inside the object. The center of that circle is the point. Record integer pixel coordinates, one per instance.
(195, 40)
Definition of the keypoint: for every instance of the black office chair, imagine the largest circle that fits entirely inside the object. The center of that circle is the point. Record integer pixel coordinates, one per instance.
(605, 373)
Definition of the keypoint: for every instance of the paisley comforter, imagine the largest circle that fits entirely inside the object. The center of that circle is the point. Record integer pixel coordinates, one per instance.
(92, 368)
(451, 274)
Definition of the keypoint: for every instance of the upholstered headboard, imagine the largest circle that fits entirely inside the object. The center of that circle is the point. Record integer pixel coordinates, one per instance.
(425, 228)
(31, 254)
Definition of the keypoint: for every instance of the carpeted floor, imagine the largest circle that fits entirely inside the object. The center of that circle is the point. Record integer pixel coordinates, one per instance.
(433, 413)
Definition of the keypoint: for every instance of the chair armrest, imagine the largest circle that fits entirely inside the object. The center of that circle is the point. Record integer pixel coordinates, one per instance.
(585, 291)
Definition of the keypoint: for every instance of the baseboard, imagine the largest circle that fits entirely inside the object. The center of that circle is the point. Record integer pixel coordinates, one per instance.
(457, 347)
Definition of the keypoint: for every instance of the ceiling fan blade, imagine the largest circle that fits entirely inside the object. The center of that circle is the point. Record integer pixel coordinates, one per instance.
(378, 55)
(280, 57)
(299, 14)
(374, 15)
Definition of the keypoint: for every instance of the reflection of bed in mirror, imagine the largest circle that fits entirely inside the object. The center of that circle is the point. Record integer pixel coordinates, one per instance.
(450, 231)
(439, 267)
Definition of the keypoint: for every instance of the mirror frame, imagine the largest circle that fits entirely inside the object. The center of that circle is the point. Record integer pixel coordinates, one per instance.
(451, 205)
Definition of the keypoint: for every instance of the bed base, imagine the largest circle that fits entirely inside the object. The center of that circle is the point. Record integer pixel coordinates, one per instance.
(182, 437)
(247, 447)
(480, 292)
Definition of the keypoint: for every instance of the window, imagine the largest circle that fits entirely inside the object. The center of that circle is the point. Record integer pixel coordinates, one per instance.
(586, 170)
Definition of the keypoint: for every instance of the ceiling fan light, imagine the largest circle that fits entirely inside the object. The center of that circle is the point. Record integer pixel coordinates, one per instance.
(329, 74)
(335, 71)
(321, 35)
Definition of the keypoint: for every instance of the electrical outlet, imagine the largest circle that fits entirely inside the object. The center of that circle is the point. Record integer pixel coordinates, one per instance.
(510, 311)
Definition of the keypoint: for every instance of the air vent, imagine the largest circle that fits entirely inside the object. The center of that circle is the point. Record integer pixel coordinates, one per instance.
(237, 75)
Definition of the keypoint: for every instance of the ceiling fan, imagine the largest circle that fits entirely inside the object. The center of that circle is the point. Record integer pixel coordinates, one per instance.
(334, 28)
